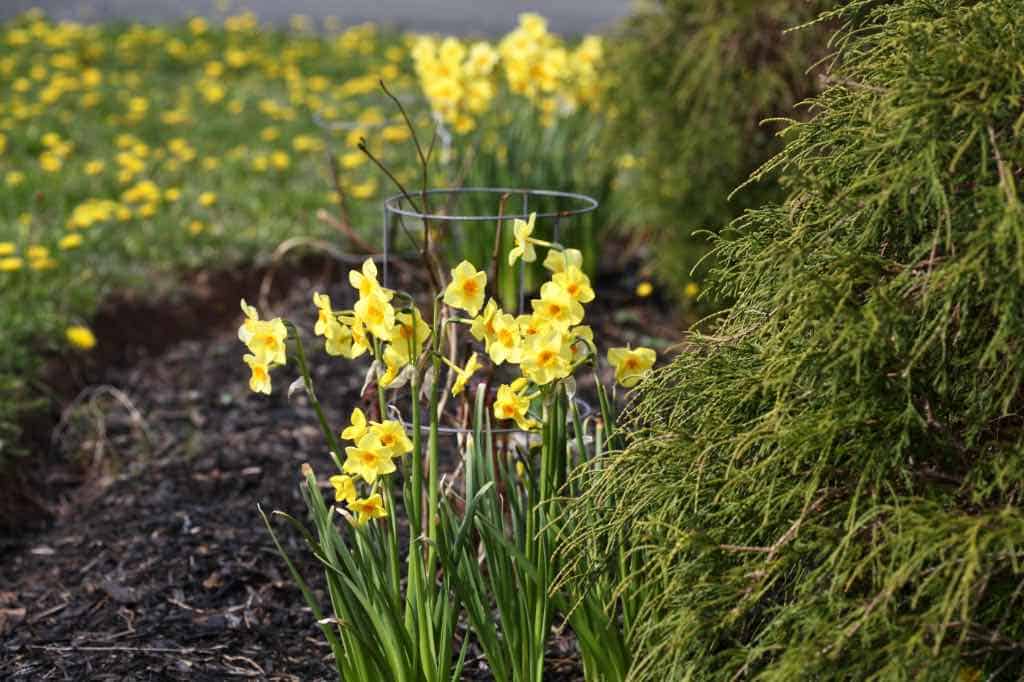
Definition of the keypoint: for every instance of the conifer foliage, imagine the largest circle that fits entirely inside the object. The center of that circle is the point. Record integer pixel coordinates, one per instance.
(692, 82)
(828, 483)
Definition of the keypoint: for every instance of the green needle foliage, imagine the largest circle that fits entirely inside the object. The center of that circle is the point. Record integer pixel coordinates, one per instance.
(829, 485)
(693, 80)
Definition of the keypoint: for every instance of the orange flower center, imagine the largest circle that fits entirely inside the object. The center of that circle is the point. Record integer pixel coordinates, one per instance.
(469, 287)
(546, 357)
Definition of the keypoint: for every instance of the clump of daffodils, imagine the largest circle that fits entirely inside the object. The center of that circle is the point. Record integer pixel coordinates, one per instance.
(541, 68)
(375, 446)
(543, 347)
(459, 80)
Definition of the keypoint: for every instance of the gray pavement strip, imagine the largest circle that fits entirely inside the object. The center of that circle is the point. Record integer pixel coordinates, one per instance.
(462, 17)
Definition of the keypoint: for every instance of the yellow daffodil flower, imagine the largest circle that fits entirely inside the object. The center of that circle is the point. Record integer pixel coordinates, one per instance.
(393, 362)
(531, 325)
(338, 336)
(507, 342)
(265, 338)
(575, 283)
(370, 508)
(466, 290)
(368, 459)
(325, 315)
(556, 261)
(410, 330)
(522, 229)
(357, 426)
(259, 382)
(360, 342)
(579, 337)
(376, 314)
(631, 364)
(482, 327)
(392, 437)
(365, 282)
(556, 306)
(511, 405)
(546, 357)
(463, 375)
(344, 488)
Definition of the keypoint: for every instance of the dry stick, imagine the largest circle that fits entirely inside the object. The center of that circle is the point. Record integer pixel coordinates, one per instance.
(130, 649)
(431, 261)
(353, 236)
(424, 254)
(497, 243)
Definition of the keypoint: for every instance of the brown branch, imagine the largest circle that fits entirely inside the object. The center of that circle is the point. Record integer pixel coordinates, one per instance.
(497, 244)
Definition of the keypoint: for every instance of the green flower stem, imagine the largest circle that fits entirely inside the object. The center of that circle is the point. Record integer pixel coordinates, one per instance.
(307, 381)
(432, 447)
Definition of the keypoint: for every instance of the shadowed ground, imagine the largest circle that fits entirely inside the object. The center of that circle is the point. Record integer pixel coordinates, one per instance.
(458, 16)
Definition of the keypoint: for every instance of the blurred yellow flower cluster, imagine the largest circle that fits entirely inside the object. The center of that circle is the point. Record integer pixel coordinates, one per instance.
(539, 66)
(459, 81)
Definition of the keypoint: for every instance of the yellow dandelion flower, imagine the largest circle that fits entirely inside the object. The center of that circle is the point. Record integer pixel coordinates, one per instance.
(80, 337)
(10, 264)
(70, 241)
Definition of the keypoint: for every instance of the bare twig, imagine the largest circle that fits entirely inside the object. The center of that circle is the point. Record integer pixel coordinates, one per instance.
(497, 243)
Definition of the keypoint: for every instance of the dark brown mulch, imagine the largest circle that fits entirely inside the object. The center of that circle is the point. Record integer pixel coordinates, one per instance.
(157, 565)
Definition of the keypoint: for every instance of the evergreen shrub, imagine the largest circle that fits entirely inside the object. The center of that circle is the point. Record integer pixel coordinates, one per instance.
(827, 483)
(692, 82)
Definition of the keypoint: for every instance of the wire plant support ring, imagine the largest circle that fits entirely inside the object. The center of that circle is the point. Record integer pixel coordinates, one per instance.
(450, 219)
